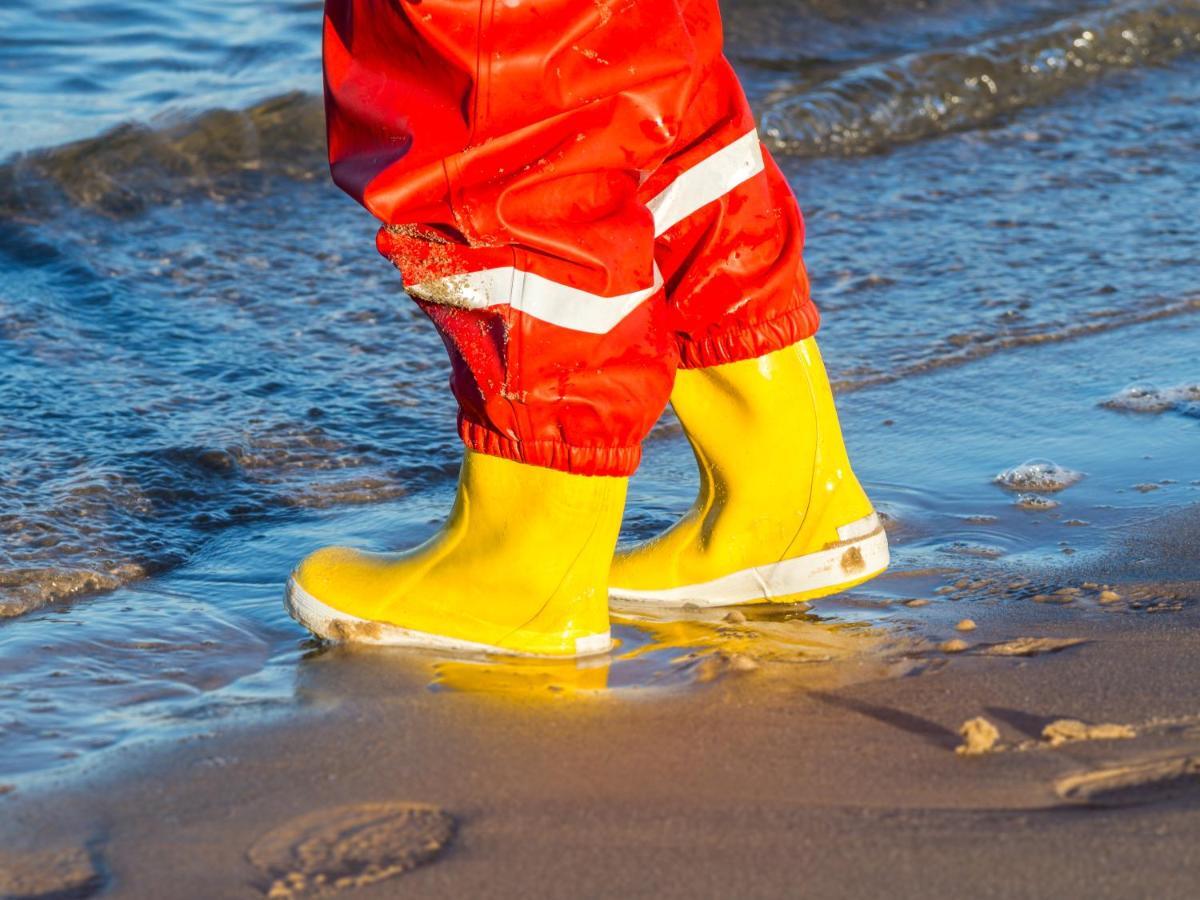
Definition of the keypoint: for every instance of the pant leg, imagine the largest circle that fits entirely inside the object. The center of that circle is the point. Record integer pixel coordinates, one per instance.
(505, 147)
(729, 232)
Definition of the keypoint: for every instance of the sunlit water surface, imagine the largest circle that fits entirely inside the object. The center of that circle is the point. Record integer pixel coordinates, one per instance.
(206, 371)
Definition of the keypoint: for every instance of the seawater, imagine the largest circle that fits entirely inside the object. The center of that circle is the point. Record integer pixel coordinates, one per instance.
(206, 371)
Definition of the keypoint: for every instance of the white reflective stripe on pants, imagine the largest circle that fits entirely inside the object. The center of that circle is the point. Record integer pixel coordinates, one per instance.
(570, 307)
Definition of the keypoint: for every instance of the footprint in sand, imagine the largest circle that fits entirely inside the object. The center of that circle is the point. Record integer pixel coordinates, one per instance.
(46, 874)
(349, 846)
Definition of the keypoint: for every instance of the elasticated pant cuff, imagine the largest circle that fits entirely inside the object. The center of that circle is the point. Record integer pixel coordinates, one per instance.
(614, 461)
(752, 339)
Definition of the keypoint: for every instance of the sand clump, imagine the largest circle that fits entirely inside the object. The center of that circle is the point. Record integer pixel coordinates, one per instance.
(1065, 731)
(1038, 476)
(348, 630)
(1030, 646)
(349, 846)
(852, 561)
(1061, 596)
(715, 665)
(66, 872)
(1035, 501)
(979, 737)
(1147, 398)
(740, 662)
(1136, 782)
(708, 670)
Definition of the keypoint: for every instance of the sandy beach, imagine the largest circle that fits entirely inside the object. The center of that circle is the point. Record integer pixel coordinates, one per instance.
(755, 774)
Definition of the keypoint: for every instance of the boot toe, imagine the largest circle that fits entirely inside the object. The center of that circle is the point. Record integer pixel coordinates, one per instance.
(325, 572)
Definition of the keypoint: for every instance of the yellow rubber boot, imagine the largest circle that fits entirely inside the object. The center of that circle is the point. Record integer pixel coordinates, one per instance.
(520, 567)
(780, 516)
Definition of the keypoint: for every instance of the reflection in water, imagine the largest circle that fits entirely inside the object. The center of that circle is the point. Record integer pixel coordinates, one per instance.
(523, 677)
(681, 648)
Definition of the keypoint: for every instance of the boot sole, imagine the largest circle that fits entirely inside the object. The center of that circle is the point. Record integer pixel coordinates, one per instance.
(332, 624)
(860, 555)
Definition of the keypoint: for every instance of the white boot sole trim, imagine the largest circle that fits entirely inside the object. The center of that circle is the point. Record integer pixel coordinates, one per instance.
(327, 622)
(861, 554)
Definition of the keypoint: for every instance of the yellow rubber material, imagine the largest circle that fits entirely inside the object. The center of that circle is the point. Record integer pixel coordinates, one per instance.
(775, 482)
(521, 566)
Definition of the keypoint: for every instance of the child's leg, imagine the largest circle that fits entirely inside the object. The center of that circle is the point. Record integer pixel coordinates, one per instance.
(780, 515)
(505, 147)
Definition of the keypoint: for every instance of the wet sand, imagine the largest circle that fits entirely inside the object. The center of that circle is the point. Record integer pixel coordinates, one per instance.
(834, 778)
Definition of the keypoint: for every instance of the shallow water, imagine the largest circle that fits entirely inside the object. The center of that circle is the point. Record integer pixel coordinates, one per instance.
(73, 67)
(206, 371)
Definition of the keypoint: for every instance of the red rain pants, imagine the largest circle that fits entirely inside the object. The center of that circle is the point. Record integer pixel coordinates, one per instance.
(574, 192)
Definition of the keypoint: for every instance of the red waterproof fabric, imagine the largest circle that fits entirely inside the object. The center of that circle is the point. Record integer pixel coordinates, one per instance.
(573, 192)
